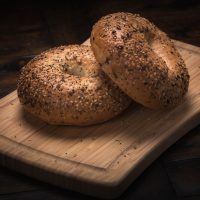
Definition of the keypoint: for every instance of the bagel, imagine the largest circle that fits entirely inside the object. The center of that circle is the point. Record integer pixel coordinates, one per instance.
(140, 59)
(65, 85)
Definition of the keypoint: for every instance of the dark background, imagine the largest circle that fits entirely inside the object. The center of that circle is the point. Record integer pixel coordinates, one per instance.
(29, 27)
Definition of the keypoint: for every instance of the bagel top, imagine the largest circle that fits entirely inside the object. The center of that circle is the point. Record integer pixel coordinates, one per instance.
(140, 59)
(65, 85)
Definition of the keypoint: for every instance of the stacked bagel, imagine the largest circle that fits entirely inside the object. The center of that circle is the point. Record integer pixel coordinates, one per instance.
(129, 59)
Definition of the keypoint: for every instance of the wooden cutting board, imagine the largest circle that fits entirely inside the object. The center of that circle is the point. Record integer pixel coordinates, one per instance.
(100, 160)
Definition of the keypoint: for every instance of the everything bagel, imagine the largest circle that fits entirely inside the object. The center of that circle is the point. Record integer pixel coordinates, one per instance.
(65, 85)
(140, 59)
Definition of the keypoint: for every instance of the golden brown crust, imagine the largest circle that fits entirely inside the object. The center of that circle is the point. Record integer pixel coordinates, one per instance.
(140, 59)
(65, 85)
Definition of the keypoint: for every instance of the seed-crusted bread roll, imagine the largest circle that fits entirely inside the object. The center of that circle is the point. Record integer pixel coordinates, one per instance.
(65, 85)
(140, 59)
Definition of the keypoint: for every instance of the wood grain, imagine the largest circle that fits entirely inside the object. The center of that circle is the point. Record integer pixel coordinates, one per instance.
(100, 160)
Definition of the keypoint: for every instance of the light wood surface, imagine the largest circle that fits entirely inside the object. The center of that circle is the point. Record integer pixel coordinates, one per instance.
(100, 160)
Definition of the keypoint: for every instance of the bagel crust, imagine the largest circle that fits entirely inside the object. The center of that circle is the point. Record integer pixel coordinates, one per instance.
(140, 59)
(65, 85)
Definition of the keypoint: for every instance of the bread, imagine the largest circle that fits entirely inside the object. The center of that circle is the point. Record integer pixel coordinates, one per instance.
(65, 85)
(140, 59)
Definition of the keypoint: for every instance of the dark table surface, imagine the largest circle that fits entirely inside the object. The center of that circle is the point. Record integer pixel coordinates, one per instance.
(28, 28)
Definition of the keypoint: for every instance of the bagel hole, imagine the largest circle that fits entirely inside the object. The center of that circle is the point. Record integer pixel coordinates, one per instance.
(157, 48)
(161, 52)
(74, 70)
(80, 69)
